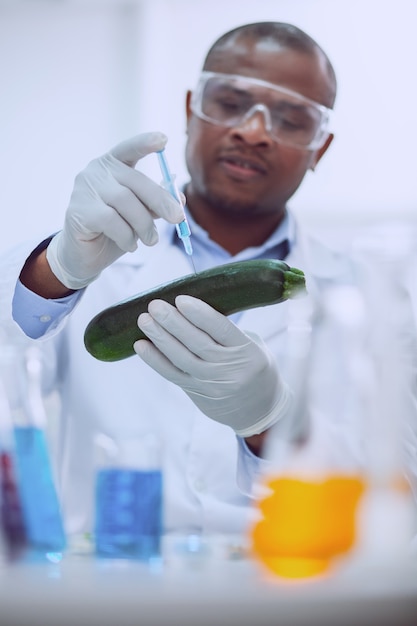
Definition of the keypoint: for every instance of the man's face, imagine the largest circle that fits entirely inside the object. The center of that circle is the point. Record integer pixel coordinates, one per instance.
(242, 169)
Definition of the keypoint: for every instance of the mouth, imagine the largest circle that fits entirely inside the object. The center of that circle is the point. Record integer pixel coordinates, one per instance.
(243, 167)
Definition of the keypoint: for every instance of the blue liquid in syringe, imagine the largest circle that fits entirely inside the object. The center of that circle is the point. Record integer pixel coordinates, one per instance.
(128, 513)
(40, 505)
(183, 229)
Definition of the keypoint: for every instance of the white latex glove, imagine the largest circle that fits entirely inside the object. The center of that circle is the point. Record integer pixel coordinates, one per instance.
(229, 375)
(112, 206)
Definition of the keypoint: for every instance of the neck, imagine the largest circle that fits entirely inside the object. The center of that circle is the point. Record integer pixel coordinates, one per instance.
(234, 231)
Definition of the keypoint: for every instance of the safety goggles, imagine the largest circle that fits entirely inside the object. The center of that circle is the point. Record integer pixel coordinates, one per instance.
(290, 118)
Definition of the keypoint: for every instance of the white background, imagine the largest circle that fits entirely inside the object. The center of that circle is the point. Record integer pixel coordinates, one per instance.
(78, 76)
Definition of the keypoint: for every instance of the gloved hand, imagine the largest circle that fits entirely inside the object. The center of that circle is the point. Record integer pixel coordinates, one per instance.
(230, 375)
(112, 206)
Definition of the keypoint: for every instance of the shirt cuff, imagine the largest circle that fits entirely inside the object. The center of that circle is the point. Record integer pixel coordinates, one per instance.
(39, 316)
(250, 469)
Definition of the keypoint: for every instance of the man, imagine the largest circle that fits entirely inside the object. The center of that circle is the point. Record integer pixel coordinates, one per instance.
(257, 121)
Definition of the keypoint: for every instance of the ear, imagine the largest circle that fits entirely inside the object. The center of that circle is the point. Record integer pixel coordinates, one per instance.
(317, 155)
(188, 111)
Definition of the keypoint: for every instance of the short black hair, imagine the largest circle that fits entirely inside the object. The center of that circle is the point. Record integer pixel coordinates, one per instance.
(286, 35)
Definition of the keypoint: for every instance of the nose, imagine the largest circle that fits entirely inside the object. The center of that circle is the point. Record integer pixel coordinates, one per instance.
(255, 126)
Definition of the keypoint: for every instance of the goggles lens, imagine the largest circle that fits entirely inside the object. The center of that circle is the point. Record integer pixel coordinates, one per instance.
(229, 100)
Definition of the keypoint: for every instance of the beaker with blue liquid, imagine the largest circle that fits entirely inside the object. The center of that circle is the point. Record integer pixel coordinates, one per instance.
(128, 498)
(26, 459)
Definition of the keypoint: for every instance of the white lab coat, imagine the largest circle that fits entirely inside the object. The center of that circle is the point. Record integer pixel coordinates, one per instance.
(126, 398)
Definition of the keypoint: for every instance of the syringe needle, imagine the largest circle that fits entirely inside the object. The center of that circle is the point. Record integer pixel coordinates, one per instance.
(192, 263)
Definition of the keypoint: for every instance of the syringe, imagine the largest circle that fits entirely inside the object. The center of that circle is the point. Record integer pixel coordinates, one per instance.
(183, 229)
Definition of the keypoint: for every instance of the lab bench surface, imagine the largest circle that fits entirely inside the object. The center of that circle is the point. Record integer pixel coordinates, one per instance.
(218, 584)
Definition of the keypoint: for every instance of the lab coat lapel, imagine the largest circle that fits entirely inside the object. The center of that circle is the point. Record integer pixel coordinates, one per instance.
(167, 261)
(318, 264)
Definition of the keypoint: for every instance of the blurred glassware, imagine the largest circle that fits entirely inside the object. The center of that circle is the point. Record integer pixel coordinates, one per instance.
(385, 257)
(312, 489)
(13, 537)
(128, 498)
(343, 494)
(21, 380)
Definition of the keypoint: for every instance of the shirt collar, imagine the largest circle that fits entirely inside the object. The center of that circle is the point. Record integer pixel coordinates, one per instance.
(201, 241)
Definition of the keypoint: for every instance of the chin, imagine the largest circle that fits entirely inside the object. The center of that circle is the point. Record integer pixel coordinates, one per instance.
(232, 203)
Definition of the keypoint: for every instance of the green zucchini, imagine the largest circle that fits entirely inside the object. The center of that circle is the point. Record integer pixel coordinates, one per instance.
(229, 288)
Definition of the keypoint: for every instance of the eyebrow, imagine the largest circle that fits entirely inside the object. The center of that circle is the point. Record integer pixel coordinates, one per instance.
(267, 84)
(285, 104)
(278, 104)
(233, 88)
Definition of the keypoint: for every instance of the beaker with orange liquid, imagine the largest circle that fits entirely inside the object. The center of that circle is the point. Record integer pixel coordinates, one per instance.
(308, 502)
(306, 523)
(346, 492)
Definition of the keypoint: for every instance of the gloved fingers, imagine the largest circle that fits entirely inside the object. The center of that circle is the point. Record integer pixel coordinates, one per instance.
(132, 150)
(215, 324)
(150, 354)
(209, 353)
(183, 199)
(101, 218)
(194, 351)
(98, 183)
(157, 199)
(121, 161)
(113, 178)
(132, 212)
(171, 347)
(131, 218)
